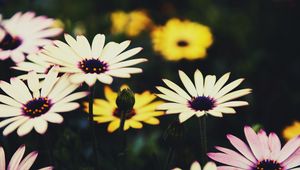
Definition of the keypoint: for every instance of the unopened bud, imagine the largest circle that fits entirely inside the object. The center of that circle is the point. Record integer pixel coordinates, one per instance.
(125, 100)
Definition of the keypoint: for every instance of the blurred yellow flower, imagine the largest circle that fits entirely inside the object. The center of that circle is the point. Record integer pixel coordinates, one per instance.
(291, 131)
(182, 39)
(58, 23)
(131, 24)
(143, 110)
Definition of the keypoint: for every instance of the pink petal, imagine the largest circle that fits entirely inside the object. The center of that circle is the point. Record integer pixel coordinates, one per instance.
(228, 160)
(28, 161)
(292, 161)
(234, 154)
(263, 138)
(275, 146)
(2, 158)
(228, 168)
(253, 142)
(241, 147)
(288, 149)
(15, 160)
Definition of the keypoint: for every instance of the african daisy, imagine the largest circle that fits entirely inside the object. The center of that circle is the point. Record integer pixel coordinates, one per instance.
(16, 162)
(196, 166)
(85, 62)
(25, 107)
(25, 33)
(263, 152)
(105, 110)
(205, 96)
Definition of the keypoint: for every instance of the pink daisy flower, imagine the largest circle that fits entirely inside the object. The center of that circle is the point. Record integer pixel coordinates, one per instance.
(263, 152)
(23, 34)
(16, 162)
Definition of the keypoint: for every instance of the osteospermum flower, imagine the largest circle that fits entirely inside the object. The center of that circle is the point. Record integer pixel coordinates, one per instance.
(16, 162)
(143, 110)
(291, 131)
(25, 33)
(205, 96)
(263, 152)
(196, 166)
(182, 40)
(25, 107)
(131, 24)
(86, 63)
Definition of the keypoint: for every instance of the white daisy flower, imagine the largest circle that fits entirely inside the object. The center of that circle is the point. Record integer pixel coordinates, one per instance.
(16, 162)
(25, 34)
(196, 166)
(85, 62)
(205, 96)
(25, 107)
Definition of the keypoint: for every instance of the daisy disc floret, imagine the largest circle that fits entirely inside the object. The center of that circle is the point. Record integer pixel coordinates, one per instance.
(85, 62)
(262, 152)
(204, 96)
(17, 163)
(24, 107)
(25, 33)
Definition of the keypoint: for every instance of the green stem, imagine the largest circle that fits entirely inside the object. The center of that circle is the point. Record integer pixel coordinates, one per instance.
(122, 153)
(93, 128)
(203, 138)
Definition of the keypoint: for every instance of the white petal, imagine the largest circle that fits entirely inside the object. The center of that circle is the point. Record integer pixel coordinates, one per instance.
(9, 111)
(127, 63)
(97, 45)
(64, 107)
(73, 97)
(233, 95)
(49, 81)
(170, 93)
(33, 83)
(199, 82)
(9, 120)
(172, 99)
(8, 89)
(85, 48)
(215, 113)
(125, 55)
(188, 84)
(53, 117)
(195, 166)
(40, 125)
(234, 104)
(13, 126)
(25, 128)
(20, 86)
(228, 88)
(104, 78)
(9, 101)
(77, 78)
(225, 110)
(177, 89)
(210, 166)
(166, 106)
(219, 84)
(209, 83)
(90, 79)
(184, 116)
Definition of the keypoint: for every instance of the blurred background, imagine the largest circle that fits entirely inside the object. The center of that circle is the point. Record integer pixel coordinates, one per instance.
(254, 39)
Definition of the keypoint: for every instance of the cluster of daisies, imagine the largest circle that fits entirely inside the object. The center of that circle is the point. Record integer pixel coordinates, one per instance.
(55, 69)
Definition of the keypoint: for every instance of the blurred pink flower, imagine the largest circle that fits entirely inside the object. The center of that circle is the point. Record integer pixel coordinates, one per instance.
(23, 34)
(262, 152)
(16, 162)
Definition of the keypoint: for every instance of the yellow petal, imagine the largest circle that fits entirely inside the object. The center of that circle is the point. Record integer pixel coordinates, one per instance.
(113, 125)
(152, 121)
(110, 95)
(103, 119)
(150, 107)
(143, 99)
(135, 124)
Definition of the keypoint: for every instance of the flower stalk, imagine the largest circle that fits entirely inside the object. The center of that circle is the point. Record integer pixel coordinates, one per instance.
(92, 127)
(203, 138)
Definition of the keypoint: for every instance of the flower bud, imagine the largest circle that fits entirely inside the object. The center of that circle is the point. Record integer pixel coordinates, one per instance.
(125, 100)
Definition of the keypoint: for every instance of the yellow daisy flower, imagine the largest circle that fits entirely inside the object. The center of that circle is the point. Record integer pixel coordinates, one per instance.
(143, 110)
(291, 131)
(131, 24)
(182, 39)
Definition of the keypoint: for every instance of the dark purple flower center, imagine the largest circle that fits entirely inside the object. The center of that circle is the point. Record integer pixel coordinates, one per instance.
(182, 43)
(9, 42)
(37, 107)
(268, 165)
(128, 115)
(93, 66)
(202, 103)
